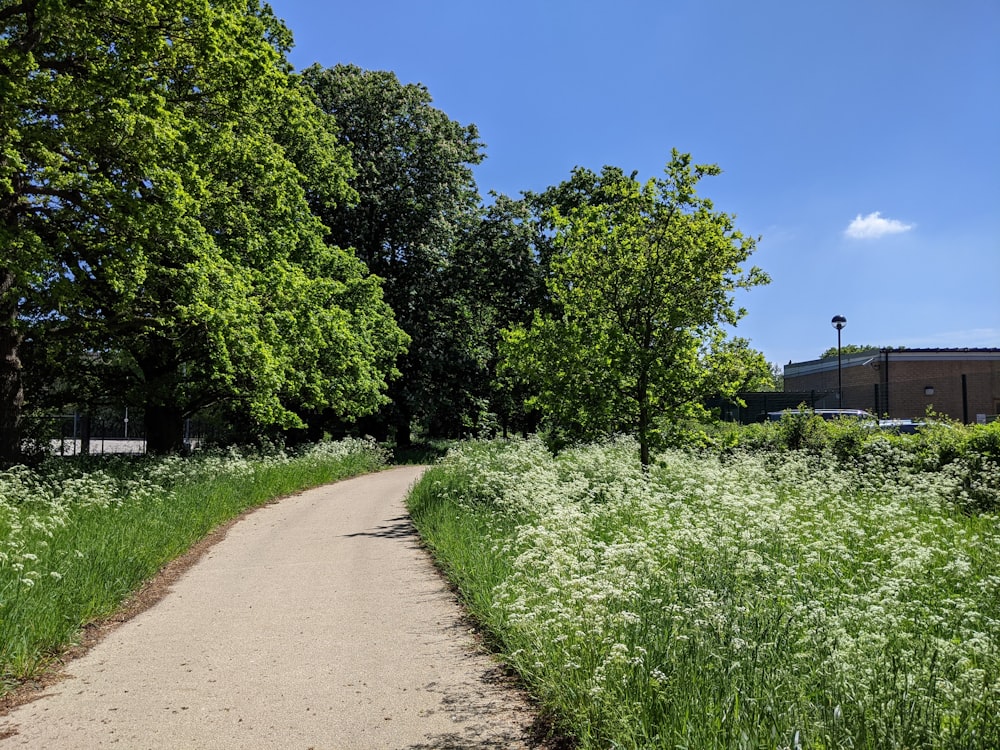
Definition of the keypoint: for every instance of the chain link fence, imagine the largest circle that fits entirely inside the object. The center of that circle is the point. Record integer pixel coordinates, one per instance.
(107, 432)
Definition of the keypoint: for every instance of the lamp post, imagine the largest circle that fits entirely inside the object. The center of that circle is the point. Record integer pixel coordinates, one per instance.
(838, 322)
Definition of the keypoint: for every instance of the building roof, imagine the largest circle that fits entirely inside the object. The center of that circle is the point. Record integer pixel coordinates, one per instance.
(871, 356)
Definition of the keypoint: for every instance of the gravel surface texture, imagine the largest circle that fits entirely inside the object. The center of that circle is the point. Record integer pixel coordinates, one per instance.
(317, 622)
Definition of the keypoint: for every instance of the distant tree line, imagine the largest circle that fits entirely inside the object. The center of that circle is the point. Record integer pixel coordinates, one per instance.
(857, 349)
(190, 228)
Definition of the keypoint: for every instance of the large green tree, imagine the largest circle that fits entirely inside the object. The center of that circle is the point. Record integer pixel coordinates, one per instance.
(85, 176)
(154, 211)
(416, 198)
(641, 282)
(492, 283)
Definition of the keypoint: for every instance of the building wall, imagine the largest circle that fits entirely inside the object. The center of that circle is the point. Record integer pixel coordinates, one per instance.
(964, 384)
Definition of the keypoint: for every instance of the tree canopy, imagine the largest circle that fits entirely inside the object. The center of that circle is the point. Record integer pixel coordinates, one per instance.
(641, 280)
(850, 349)
(154, 212)
(417, 197)
(188, 225)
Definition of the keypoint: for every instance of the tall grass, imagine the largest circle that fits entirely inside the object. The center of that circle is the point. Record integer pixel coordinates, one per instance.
(77, 539)
(748, 601)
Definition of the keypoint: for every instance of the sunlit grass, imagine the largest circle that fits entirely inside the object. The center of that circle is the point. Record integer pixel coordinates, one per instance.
(77, 539)
(754, 601)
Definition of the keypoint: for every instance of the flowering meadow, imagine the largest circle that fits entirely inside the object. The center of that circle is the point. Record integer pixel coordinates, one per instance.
(76, 538)
(744, 600)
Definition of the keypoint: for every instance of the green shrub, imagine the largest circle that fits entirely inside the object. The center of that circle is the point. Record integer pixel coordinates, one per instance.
(984, 440)
(847, 437)
(803, 430)
(967, 454)
(758, 437)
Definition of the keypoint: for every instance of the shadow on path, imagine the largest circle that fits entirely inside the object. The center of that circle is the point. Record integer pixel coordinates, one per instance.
(395, 528)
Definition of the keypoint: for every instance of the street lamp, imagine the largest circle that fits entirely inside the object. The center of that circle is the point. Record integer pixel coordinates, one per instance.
(838, 322)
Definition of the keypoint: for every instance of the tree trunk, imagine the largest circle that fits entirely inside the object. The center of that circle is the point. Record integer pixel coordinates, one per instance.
(85, 434)
(642, 396)
(164, 429)
(11, 386)
(403, 427)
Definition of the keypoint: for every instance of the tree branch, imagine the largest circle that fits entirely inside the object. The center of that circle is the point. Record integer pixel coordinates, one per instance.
(26, 8)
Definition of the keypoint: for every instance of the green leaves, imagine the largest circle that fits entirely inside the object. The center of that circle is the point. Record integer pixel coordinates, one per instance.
(640, 279)
(416, 200)
(158, 164)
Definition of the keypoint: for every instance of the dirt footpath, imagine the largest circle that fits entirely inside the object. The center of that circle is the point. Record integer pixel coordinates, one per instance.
(317, 622)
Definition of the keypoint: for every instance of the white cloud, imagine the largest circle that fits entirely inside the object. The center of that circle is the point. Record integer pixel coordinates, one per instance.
(874, 225)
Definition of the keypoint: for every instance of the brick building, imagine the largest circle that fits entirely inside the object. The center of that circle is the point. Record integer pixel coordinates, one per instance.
(963, 384)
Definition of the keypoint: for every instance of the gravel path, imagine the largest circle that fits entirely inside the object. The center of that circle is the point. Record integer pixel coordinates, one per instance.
(317, 622)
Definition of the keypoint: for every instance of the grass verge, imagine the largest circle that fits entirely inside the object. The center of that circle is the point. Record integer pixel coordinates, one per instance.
(745, 601)
(79, 538)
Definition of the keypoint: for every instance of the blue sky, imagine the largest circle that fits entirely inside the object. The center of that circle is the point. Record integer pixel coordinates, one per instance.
(859, 139)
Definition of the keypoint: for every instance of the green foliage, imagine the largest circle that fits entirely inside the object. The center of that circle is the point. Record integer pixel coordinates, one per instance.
(751, 600)
(153, 200)
(984, 440)
(421, 453)
(851, 349)
(640, 284)
(416, 200)
(968, 456)
(803, 429)
(494, 282)
(457, 537)
(697, 434)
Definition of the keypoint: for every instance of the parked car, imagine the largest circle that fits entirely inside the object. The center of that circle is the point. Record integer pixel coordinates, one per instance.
(901, 425)
(906, 426)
